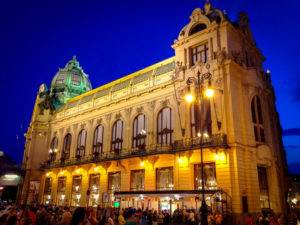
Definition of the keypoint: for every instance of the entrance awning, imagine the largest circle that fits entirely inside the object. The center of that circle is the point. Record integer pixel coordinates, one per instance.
(172, 194)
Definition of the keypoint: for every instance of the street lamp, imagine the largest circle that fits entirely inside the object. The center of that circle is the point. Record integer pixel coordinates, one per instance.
(208, 93)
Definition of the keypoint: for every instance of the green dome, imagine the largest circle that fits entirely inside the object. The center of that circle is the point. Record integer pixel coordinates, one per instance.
(69, 82)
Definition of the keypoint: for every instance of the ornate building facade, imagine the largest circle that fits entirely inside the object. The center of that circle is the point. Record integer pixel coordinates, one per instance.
(137, 142)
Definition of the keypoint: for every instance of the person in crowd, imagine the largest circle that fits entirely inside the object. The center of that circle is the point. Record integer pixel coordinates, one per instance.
(41, 215)
(12, 218)
(121, 218)
(131, 220)
(249, 220)
(26, 219)
(78, 216)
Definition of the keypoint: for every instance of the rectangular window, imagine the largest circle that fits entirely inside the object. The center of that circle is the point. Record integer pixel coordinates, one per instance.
(94, 187)
(245, 204)
(263, 187)
(48, 185)
(47, 190)
(209, 173)
(199, 54)
(76, 190)
(114, 181)
(164, 178)
(201, 118)
(137, 180)
(61, 189)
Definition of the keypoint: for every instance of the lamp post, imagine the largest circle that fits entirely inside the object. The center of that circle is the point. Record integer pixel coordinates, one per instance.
(209, 92)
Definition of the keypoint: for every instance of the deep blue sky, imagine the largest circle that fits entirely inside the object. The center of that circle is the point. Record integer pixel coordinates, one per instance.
(114, 38)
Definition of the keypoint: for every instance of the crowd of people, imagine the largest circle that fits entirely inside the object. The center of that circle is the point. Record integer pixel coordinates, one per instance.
(45, 215)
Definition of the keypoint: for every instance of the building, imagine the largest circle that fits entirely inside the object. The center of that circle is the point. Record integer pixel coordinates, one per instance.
(137, 142)
(11, 178)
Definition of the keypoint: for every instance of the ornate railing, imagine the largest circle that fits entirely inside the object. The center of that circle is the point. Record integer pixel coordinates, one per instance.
(216, 140)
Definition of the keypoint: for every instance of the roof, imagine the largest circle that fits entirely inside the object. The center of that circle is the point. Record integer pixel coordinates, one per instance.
(136, 77)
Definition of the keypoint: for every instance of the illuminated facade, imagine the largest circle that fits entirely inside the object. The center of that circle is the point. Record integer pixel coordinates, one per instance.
(136, 141)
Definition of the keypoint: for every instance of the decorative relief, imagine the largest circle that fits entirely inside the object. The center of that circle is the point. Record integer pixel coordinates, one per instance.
(152, 104)
(91, 121)
(164, 103)
(54, 133)
(61, 130)
(118, 116)
(68, 130)
(99, 121)
(128, 111)
(108, 117)
(82, 126)
(179, 67)
(221, 55)
(75, 126)
(237, 57)
(140, 109)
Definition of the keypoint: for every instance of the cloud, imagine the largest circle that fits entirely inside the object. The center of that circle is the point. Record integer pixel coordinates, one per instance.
(292, 146)
(291, 132)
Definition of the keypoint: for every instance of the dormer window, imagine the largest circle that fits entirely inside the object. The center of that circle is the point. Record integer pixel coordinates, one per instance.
(198, 28)
(199, 54)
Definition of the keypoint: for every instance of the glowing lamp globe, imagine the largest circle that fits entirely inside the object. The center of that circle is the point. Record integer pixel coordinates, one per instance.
(209, 93)
(189, 98)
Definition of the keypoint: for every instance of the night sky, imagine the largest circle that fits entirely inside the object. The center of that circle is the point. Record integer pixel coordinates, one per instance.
(112, 39)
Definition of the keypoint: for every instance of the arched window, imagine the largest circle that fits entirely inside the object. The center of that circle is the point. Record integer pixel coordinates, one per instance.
(139, 132)
(66, 147)
(117, 136)
(257, 119)
(53, 149)
(198, 28)
(201, 117)
(80, 151)
(165, 126)
(98, 140)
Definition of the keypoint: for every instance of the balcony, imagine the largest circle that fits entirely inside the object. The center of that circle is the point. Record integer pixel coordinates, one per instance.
(216, 140)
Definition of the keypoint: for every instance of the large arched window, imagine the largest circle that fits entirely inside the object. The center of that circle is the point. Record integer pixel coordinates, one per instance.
(139, 132)
(197, 28)
(201, 117)
(165, 126)
(257, 119)
(66, 147)
(98, 140)
(53, 149)
(80, 151)
(117, 136)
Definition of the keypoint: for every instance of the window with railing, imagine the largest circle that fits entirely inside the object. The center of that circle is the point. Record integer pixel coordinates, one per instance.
(80, 151)
(263, 187)
(257, 119)
(137, 180)
(98, 140)
(164, 178)
(114, 181)
(199, 54)
(201, 117)
(117, 137)
(94, 187)
(76, 190)
(209, 174)
(165, 126)
(139, 132)
(66, 147)
(61, 189)
(53, 149)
